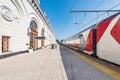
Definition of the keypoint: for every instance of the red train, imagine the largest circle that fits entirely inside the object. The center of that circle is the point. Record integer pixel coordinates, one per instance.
(101, 40)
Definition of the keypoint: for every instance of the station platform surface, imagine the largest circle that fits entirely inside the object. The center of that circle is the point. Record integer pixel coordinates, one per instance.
(78, 69)
(49, 64)
(43, 64)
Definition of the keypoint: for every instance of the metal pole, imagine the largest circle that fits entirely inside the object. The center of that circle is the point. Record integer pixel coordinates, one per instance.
(75, 11)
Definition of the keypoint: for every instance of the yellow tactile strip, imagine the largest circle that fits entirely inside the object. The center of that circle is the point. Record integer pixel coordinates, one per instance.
(110, 72)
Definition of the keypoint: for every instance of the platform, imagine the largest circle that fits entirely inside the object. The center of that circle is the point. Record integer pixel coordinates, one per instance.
(43, 64)
(50, 64)
(79, 69)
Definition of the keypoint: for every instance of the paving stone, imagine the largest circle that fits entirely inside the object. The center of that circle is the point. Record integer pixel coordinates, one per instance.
(43, 64)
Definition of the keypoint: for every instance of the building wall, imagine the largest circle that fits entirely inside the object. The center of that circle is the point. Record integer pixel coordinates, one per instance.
(13, 24)
(15, 18)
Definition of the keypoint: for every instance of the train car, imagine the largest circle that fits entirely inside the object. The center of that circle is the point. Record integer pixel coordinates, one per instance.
(101, 40)
(108, 39)
(86, 40)
(73, 41)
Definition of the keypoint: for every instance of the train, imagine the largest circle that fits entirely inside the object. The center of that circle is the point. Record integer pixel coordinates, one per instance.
(101, 40)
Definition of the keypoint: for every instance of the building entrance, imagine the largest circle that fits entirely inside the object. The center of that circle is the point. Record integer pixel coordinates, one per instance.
(33, 34)
(5, 43)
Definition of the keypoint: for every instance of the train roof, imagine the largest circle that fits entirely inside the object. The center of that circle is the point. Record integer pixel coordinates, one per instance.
(93, 25)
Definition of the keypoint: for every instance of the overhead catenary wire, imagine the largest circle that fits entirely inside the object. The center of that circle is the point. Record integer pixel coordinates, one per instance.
(101, 15)
(75, 11)
(85, 15)
(110, 10)
(67, 18)
(99, 4)
(92, 11)
(74, 18)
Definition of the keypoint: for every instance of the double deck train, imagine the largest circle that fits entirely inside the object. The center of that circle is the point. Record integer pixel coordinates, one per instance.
(101, 40)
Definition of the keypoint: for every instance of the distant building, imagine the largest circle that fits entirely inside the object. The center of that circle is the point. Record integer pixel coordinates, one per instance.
(23, 24)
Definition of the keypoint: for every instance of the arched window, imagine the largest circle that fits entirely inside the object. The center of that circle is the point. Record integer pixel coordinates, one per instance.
(33, 25)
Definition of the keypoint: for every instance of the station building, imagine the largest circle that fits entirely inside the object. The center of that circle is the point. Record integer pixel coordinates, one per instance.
(22, 24)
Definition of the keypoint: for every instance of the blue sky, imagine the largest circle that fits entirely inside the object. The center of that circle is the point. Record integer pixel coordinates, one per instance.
(63, 22)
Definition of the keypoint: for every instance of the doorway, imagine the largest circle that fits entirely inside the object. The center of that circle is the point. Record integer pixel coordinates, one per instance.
(33, 34)
(5, 43)
(42, 43)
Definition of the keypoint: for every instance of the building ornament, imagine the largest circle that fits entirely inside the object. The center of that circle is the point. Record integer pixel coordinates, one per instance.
(7, 14)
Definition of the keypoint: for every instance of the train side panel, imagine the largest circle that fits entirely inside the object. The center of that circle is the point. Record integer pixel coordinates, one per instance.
(108, 46)
(73, 42)
(87, 41)
(107, 40)
(76, 43)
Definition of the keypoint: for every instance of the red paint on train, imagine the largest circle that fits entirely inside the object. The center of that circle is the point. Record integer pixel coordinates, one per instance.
(77, 45)
(88, 46)
(101, 27)
(116, 31)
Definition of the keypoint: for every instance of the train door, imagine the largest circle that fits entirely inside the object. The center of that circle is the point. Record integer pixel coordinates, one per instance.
(94, 43)
(82, 43)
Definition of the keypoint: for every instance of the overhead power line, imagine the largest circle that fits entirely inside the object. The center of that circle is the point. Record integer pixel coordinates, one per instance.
(75, 11)
(102, 14)
(67, 18)
(99, 4)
